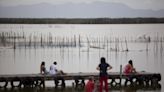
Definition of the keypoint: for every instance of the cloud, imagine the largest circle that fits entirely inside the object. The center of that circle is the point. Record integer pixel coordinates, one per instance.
(81, 10)
(135, 4)
(143, 4)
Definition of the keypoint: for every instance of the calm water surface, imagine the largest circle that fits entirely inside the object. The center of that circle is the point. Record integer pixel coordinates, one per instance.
(78, 48)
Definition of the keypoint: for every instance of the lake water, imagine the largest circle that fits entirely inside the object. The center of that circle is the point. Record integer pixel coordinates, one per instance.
(78, 48)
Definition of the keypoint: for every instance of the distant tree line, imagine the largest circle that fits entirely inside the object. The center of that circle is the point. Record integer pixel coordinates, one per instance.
(80, 20)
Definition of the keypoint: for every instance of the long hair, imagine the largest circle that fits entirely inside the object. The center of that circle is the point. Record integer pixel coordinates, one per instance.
(43, 63)
(103, 60)
(131, 62)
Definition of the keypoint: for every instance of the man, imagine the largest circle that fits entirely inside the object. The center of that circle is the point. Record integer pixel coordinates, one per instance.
(103, 67)
(54, 70)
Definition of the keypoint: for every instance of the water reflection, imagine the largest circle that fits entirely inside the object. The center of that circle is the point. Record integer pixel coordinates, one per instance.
(129, 88)
(77, 48)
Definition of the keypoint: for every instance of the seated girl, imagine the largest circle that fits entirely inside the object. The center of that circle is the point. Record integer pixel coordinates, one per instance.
(129, 68)
(43, 68)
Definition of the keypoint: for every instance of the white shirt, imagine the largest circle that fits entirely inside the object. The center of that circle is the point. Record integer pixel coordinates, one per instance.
(52, 69)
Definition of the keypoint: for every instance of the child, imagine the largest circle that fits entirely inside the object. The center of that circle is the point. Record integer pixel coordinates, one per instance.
(43, 68)
(129, 68)
(90, 85)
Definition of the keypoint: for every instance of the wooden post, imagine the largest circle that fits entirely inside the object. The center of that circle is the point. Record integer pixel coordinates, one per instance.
(5, 84)
(63, 83)
(120, 74)
(43, 82)
(56, 82)
(76, 83)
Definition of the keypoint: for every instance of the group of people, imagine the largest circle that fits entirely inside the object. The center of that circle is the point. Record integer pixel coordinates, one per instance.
(103, 67)
(53, 69)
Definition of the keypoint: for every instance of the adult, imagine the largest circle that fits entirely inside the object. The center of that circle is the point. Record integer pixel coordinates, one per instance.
(54, 70)
(103, 67)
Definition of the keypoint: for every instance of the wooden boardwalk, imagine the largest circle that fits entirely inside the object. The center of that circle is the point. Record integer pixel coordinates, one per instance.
(115, 78)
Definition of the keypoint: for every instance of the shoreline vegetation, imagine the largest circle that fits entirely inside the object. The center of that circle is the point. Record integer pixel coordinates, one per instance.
(138, 20)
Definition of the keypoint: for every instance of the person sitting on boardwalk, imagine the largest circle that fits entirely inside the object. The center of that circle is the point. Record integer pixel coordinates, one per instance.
(54, 70)
(89, 87)
(129, 68)
(103, 67)
(43, 68)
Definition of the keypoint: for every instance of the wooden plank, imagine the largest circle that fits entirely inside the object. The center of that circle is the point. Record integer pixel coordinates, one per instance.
(70, 76)
(39, 79)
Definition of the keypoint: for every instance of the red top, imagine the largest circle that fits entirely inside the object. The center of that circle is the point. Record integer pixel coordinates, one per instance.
(89, 86)
(128, 69)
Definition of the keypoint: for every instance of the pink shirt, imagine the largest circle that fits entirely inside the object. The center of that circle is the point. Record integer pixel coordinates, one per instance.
(128, 69)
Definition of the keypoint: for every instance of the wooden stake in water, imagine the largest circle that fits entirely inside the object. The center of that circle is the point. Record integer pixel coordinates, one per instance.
(126, 45)
(120, 74)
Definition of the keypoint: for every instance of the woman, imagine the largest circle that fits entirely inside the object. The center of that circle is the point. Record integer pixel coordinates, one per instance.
(129, 68)
(43, 68)
(103, 67)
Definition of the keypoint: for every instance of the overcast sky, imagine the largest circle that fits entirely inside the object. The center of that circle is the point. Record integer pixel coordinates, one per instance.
(135, 4)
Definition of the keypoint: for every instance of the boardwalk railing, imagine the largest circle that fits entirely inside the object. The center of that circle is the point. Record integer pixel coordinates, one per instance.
(115, 78)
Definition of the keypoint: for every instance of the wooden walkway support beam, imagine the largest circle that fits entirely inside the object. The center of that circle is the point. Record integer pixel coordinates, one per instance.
(19, 80)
